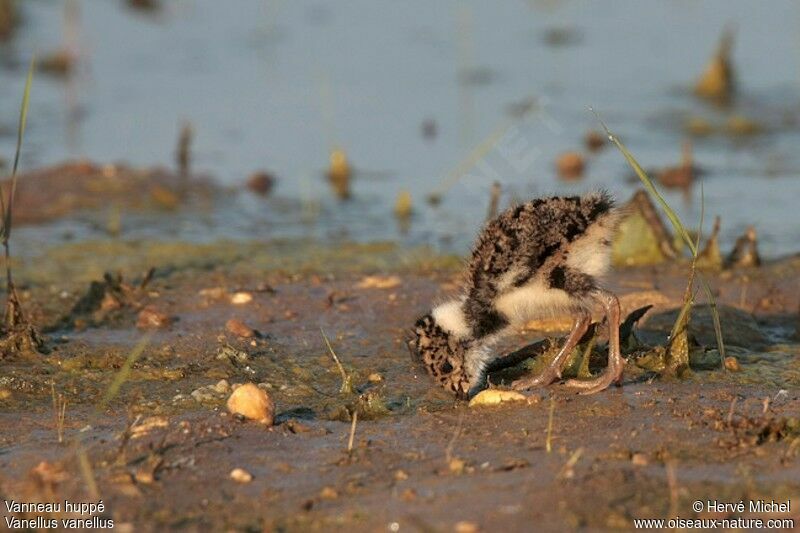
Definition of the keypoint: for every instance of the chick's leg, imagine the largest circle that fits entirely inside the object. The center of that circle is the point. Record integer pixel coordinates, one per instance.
(613, 372)
(553, 371)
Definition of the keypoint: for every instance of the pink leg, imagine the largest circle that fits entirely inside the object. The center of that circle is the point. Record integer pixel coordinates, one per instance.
(612, 373)
(553, 371)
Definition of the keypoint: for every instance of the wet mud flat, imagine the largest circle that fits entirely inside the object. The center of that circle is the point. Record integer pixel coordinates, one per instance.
(160, 451)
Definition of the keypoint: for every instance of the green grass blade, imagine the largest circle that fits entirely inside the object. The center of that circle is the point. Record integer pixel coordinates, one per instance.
(706, 287)
(124, 372)
(712, 303)
(676, 223)
(347, 379)
(648, 184)
(23, 119)
(702, 218)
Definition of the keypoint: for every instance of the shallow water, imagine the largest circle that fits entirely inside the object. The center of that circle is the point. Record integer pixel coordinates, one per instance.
(275, 85)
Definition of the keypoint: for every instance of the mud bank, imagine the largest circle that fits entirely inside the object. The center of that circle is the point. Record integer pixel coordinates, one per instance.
(161, 452)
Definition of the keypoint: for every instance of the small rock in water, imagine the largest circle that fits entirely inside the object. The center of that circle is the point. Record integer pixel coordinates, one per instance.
(261, 183)
(429, 128)
(594, 140)
(239, 328)
(252, 403)
(699, 126)
(710, 257)
(740, 125)
(403, 205)
(240, 475)
(339, 174)
(59, 63)
(562, 36)
(745, 251)
(145, 5)
(164, 198)
(152, 318)
(570, 165)
(680, 176)
(718, 81)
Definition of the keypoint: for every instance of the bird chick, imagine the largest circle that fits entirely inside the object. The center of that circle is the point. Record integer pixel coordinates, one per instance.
(540, 258)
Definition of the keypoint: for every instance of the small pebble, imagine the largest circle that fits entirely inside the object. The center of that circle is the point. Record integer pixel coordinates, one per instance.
(456, 465)
(164, 198)
(144, 477)
(151, 318)
(241, 475)
(261, 183)
(204, 394)
(229, 353)
(214, 293)
(739, 125)
(147, 425)
(241, 298)
(408, 495)
(253, 403)
(379, 282)
(465, 526)
(239, 328)
(570, 165)
(222, 386)
(639, 459)
(375, 377)
(732, 364)
(403, 205)
(328, 493)
(594, 140)
(429, 128)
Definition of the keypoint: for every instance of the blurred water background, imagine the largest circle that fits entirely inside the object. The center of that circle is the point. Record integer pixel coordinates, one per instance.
(416, 93)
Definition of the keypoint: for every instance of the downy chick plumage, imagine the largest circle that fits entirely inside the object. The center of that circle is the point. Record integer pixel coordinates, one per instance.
(539, 258)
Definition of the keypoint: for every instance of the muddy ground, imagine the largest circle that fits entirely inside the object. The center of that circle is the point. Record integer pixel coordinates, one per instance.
(160, 456)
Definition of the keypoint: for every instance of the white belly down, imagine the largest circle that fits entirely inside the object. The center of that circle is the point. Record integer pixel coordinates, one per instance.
(533, 301)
